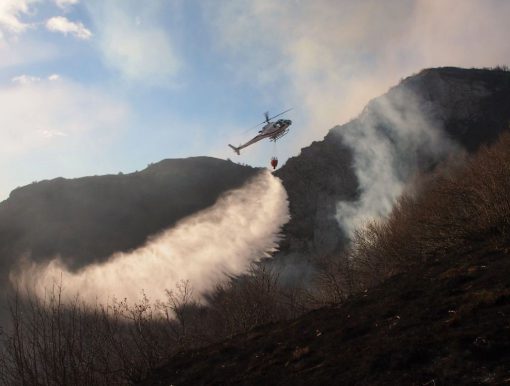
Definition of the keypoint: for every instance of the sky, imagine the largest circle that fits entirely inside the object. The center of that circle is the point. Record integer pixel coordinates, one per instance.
(92, 87)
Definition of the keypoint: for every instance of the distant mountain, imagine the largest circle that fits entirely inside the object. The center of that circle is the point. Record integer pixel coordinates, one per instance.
(87, 219)
(470, 107)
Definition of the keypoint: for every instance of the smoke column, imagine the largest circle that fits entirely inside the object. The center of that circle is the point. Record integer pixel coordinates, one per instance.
(241, 227)
(394, 138)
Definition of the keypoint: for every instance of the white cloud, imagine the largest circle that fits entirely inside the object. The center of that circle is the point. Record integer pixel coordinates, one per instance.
(139, 53)
(205, 248)
(51, 133)
(10, 12)
(28, 79)
(15, 47)
(25, 79)
(65, 26)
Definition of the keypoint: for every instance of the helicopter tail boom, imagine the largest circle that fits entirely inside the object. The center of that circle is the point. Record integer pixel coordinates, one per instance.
(236, 149)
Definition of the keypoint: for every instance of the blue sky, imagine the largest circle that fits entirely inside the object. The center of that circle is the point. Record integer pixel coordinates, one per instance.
(96, 87)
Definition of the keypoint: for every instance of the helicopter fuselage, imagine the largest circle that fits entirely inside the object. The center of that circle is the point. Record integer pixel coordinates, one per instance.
(271, 130)
(274, 129)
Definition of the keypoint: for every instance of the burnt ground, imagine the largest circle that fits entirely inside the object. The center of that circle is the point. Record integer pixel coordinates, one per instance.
(446, 322)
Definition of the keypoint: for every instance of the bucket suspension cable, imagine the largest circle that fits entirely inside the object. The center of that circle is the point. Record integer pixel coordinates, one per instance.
(274, 158)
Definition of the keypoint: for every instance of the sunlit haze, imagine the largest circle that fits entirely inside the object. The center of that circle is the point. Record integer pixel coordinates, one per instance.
(102, 86)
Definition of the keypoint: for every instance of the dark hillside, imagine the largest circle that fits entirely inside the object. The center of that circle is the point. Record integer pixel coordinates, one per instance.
(474, 104)
(87, 219)
(469, 106)
(444, 323)
(440, 316)
(315, 181)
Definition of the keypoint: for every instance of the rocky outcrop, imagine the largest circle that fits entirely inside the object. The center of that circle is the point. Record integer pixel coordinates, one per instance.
(420, 121)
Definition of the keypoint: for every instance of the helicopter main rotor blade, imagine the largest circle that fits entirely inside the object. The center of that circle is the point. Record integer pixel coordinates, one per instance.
(251, 128)
(277, 115)
(266, 121)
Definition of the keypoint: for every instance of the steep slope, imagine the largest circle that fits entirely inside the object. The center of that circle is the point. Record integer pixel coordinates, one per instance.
(464, 107)
(87, 219)
(443, 323)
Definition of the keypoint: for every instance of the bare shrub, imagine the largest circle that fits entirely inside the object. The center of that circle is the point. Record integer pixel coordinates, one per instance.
(50, 343)
(53, 345)
(333, 281)
(245, 302)
(456, 209)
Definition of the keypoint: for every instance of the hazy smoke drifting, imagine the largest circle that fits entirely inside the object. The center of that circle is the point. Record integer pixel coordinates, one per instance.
(328, 58)
(395, 137)
(222, 240)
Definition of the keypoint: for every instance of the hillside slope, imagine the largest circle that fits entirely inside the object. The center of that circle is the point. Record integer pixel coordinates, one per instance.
(87, 219)
(443, 323)
(467, 107)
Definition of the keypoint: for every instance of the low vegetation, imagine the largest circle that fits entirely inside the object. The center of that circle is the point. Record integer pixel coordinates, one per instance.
(456, 209)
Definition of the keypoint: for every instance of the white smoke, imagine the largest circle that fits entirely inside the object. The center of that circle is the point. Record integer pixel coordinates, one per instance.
(392, 140)
(240, 228)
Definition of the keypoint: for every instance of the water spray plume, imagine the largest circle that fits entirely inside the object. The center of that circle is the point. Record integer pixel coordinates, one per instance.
(240, 228)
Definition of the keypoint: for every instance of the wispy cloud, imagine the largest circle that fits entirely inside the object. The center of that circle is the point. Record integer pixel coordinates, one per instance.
(65, 4)
(35, 109)
(65, 26)
(333, 56)
(25, 79)
(143, 53)
(15, 47)
(10, 15)
(330, 57)
(19, 51)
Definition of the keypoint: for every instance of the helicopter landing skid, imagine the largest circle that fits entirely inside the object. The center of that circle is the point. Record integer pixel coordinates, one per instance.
(279, 135)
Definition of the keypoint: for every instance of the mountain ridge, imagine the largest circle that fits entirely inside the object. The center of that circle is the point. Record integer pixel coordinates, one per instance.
(323, 173)
(87, 219)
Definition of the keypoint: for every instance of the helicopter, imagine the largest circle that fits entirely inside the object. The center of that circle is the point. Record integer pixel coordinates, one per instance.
(271, 130)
